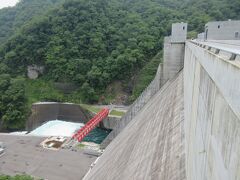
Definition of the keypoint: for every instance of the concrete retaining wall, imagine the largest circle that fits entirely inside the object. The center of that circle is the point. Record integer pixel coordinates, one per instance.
(212, 115)
(109, 123)
(42, 113)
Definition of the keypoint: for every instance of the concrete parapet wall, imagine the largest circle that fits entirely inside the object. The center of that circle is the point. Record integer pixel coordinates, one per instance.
(212, 114)
(179, 32)
(222, 30)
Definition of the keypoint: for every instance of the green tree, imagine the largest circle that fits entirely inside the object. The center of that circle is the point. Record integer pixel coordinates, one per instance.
(13, 103)
(88, 93)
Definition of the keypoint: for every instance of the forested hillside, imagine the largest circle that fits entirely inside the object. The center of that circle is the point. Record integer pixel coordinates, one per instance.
(93, 43)
(13, 18)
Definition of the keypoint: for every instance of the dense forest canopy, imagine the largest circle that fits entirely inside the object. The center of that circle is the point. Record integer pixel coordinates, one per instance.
(94, 43)
(13, 18)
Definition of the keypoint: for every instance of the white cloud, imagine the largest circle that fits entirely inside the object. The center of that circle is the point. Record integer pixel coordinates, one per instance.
(6, 3)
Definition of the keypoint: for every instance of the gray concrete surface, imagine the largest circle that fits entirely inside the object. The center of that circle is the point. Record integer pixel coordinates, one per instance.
(179, 32)
(109, 122)
(173, 59)
(151, 146)
(23, 155)
(222, 30)
(212, 112)
(228, 46)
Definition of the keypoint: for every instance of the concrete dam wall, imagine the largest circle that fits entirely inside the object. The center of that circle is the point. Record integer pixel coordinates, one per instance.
(151, 146)
(189, 129)
(212, 113)
(44, 112)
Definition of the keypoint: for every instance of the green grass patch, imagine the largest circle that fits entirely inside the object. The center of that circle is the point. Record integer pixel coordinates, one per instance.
(81, 146)
(17, 177)
(117, 113)
(91, 108)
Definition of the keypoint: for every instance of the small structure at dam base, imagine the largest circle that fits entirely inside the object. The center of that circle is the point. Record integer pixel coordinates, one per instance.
(54, 143)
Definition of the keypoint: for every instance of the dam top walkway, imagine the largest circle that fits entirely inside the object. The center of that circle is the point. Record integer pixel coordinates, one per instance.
(229, 49)
(232, 46)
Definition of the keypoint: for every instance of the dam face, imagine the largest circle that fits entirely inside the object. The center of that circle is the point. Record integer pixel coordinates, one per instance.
(151, 146)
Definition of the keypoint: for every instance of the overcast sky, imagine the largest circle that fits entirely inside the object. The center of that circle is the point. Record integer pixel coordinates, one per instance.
(6, 3)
